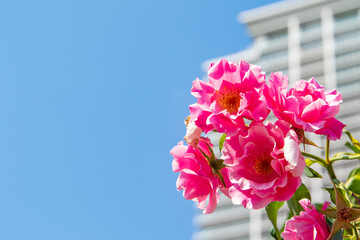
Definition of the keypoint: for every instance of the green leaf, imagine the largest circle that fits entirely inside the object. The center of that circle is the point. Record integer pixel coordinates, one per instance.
(353, 140)
(302, 192)
(309, 162)
(311, 173)
(354, 172)
(273, 233)
(355, 144)
(272, 210)
(330, 222)
(352, 156)
(221, 141)
(332, 194)
(349, 234)
(318, 206)
(353, 184)
(293, 203)
(352, 147)
(339, 154)
(345, 156)
(350, 198)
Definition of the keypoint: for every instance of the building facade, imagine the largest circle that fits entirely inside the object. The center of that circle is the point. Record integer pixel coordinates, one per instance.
(303, 39)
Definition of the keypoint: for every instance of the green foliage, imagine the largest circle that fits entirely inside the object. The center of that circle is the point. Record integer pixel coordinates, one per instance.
(293, 203)
(354, 145)
(350, 234)
(332, 194)
(309, 162)
(272, 211)
(341, 154)
(353, 182)
(311, 173)
(221, 141)
(273, 233)
(330, 222)
(350, 197)
(354, 172)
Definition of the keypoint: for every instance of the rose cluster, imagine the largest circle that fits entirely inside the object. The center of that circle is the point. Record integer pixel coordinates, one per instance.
(260, 161)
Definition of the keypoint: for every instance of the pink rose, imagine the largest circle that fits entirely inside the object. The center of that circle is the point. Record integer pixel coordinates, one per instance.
(234, 92)
(309, 225)
(265, 164)
(197, 176)
(193, 133)
(306, 106)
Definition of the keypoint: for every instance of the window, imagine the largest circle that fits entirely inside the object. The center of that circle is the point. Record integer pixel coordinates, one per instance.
(278, 37)
(348, 40)
(347, 89)
(310, 28)
(311, 45)
(277, 54)
(347, 74)
(346, 58)
(353, 35)
(346, 18)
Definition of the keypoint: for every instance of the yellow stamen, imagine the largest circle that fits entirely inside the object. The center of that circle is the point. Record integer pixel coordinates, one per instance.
(230, 99)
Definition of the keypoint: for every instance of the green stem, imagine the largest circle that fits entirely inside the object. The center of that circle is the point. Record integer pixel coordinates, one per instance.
(353, 157)
(319, 159)
(327, 150)
(278, 236)
(328, 165)
(331, 172)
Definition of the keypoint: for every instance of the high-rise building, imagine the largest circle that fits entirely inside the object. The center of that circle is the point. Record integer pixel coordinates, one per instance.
(303, 39)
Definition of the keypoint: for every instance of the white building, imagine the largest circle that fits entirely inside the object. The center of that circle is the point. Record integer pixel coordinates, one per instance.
(303, 39)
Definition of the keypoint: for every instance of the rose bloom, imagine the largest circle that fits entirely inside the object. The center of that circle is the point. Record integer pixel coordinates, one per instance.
(193, 132)
(197, 178)
(234, 92)
(306, 106)
(265, 164)
(309, 225)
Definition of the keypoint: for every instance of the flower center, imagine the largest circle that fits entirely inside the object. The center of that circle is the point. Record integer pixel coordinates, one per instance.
(262, 165)
(230, 100)
(344, 216)
(300, 133)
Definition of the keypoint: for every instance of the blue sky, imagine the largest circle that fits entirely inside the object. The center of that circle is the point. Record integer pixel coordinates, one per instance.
(92, 98)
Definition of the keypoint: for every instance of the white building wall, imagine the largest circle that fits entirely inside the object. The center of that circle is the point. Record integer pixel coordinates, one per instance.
(303, 39)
